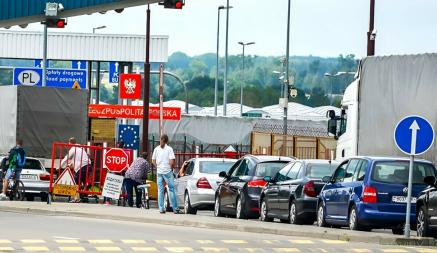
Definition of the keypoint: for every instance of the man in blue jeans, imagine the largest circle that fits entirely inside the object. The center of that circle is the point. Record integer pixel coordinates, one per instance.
(163, 159)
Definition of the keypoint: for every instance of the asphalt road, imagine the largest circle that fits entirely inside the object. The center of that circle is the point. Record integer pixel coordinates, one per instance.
(33, 233)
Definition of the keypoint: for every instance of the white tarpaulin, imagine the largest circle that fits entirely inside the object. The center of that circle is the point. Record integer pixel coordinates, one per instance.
(391, 88)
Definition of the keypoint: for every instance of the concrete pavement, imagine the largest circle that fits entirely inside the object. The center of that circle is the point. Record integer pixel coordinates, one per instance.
(38, 233)
(152, 216)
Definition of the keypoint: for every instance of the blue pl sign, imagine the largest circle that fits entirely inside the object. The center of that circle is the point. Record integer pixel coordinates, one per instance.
(414, 135)
(62, 78)
(114, 72)
(130, 135)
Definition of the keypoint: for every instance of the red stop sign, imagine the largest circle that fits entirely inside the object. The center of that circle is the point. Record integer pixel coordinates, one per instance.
(116, 160)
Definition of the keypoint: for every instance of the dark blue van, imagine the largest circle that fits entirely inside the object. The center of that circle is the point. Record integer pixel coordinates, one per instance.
(366, 193)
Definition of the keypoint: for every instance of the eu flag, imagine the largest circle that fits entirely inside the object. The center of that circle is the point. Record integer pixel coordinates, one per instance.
(130, 135)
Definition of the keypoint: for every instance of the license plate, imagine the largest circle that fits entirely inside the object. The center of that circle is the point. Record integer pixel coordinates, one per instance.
(402, 199)
(28, 177)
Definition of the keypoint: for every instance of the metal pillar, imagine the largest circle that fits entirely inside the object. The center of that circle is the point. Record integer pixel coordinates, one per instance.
(146, 89)
(44, 57)
(287, 71)
(371, 36)
(218, 59)
(225, 85)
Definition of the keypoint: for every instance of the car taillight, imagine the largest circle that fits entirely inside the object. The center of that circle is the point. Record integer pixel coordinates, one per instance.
(257, 183)
(309, 189)
(369, 195)
(203, 183)
(44, 177)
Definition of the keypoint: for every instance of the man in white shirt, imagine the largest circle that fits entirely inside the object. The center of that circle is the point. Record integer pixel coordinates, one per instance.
(163, 159)
(78, 159)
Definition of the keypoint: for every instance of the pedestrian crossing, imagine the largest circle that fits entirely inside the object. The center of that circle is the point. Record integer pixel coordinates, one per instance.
(203, 245)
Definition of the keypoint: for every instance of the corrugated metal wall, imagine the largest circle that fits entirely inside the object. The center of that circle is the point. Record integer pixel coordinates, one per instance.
(81, 46)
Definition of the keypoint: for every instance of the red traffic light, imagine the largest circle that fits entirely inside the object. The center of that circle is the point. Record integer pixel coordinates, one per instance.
(56, 23)
(179, 5)
(60, 23)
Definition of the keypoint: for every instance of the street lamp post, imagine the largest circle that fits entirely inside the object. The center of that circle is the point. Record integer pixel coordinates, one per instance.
(244, 76)
(225, 82)
(287, 72)
(98, 28)
(218, 58)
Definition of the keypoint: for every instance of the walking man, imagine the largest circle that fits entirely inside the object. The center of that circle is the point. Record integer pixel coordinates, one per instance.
(163, 159)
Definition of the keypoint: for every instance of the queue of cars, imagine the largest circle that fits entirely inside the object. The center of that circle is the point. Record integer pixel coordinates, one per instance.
(362, 193)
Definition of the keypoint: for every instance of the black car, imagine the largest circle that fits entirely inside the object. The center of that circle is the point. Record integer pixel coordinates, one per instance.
(426, 207)
(238, 194)
(291, 195)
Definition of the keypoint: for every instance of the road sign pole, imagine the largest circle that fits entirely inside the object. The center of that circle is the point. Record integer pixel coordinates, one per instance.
(410, 188)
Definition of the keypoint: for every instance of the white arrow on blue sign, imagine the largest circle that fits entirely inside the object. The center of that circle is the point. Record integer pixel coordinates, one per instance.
(414, 135)
(114, 72)
(78, 64)
(38, 63)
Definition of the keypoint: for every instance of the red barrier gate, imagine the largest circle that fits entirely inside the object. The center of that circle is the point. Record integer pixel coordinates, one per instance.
(86, 165)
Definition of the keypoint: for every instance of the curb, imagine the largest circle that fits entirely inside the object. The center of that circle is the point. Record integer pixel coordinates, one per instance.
(322, 234)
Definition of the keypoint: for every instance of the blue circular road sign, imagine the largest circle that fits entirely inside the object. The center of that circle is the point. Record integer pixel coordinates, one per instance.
(414, 135)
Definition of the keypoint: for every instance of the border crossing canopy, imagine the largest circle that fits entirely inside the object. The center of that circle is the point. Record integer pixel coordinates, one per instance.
(23, 12)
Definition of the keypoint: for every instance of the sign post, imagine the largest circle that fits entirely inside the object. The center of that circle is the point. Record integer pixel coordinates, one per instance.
(413, 135)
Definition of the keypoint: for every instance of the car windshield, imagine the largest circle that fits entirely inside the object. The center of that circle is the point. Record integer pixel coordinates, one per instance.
(397, 172)
(215, 167)
(320, 170)
(269, 168)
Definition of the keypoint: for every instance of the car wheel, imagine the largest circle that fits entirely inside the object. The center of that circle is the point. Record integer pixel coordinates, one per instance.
(30, 197)
(423, 223)
(239, 212)
(264, 212)
(188, 209)
(354, 223)
(292, 216)
(321, 216)
(217, 208)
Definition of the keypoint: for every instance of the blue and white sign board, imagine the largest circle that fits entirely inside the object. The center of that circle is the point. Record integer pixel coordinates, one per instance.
(79, 65)
(61, 78)
(114, 72)
(38, 63)
(414, 135)
(130, 135)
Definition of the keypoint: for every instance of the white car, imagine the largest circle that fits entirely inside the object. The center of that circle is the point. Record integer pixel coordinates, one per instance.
(34, 176)
(196, 185)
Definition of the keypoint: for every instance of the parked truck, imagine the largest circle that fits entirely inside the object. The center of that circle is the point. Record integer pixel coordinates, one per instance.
(386, 90)
(40, 116)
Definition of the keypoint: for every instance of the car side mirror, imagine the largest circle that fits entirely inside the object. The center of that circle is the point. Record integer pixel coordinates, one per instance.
(330, 114)
(429, 180)
(326, 179)
(223, 174)
(332, 127)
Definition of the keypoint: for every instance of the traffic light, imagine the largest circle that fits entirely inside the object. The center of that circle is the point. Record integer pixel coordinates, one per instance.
(173, 4)
(56, 23)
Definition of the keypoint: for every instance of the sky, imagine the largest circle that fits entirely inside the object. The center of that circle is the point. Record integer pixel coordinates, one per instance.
(324, 28)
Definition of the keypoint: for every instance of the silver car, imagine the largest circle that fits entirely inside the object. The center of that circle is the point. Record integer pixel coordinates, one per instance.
(34, 176)
(196, 184)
